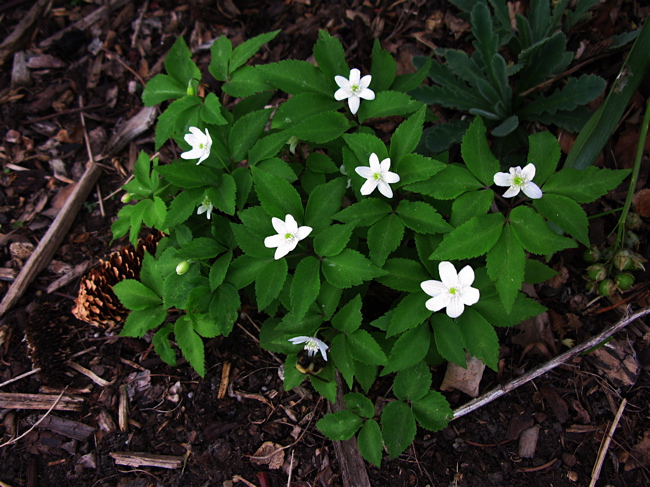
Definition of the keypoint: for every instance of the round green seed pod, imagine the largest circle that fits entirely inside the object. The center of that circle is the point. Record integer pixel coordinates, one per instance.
(592, 254)
(631, 240)
(623, 260)
(624, 281)
(596, 272)
(607, 288)
(633, 221)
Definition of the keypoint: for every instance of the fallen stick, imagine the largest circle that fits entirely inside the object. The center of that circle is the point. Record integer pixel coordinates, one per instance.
(9, 400)
(499, 391)
(140, 459)
(595, 473)
(51, 241)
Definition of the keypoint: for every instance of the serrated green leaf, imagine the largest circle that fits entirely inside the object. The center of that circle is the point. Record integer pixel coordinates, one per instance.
(279, 167)
(340, 355)
(299, 108)
(364, 213)
(577, 91)
(244, 182)
(383, 68)
(365, 375)
(449, 183)
(387, 104)
(223, 195)
(537, 272)
(140, 321)
(249, 48)
(332, 240)
(544, 154)
(421, 217)
(305, 285)
(325, 385)
(219, 269)
(584, 186)
(134, 295)
(246, 132)
(479, 337)
(224, 308)
(244, 269)
(409, 313)
(320, 128)
(566, 214)
(359, 404)
(432, 411)
(410, 81)
(470, 205)
(277, 196)
(403, 275)
(211, 110)
(328, 299)
(295, 77)
(449, 341)
(413, 383)
(324, 201)
(534, 234)
(172, 120)
(349, 268)
(182, 207)
(409, 349)
(161, 88)
(149, 274)
(477, 154)
(269, 281)
(321, 163)
(471, 239)
(339, 426)
(384, 237)
(245, 82)
(220, 50)
(491, 308)
(365, 348)
(190, 344)
(407, 136)
(267, 147)
(179, 64)
(506, 262)
(163, 346)
(370, 443)
(330, 57)
(348, 318)
(200, 248)
(363, 144)
(398, 426)
(188, 174)
(415, 167)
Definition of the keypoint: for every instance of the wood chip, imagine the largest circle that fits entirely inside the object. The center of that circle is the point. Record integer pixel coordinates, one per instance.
(528, 442)
(10, 400)
(67, 427)
(141, 459)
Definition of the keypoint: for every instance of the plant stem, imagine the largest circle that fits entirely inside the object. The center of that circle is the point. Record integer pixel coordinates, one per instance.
(635, 174)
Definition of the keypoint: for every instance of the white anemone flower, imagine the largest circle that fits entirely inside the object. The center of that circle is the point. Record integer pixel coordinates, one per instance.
(289, 234)
(200, 144)
(519, 179)
(206, 207)
(354, 89)
(312, 344)
(453, 292)
(378, 176)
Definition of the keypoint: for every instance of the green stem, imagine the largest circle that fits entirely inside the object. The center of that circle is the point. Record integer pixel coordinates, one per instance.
(635, 175)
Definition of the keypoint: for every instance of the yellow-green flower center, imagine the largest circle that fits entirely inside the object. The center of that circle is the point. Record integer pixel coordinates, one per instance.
(355, 88)
(518, 181)
(201, 145)
(288, 236)
(377, 176)
(453, 291)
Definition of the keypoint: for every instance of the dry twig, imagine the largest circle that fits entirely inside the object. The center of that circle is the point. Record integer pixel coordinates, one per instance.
(595, 473)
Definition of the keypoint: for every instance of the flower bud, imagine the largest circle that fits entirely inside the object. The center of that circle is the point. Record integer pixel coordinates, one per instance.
(592, 254)
(624, 281)
(190, 89)
(631, 240)
(637, 262)
(126, 197)
(623, 260)
(569, 342)
(633, 221)
(607, 288)
(182, 268)
(597, 272)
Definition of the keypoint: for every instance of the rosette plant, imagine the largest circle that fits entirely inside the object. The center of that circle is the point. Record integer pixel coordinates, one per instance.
(312, 249)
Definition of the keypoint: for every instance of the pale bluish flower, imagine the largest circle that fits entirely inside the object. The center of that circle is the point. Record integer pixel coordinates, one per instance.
(200, 144)
(454, 291)
(354, 89)
(519, 179)
(206, 207)
(377, 176)
(289, 234)
(312, 344)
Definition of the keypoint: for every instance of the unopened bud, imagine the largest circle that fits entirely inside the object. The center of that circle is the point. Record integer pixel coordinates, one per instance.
(596, 272)
(631, 240)
(607, 288)
(624, 281)
(190, 89)
(623, 260)
(592, 254)
(182, 268)
(633, 221)
(126, 197)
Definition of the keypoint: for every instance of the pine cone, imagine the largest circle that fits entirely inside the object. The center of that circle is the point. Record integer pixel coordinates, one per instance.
(96, 303)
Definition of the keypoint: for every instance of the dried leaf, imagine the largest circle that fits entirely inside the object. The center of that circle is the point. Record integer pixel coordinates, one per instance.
(270, 454)
(466, 380)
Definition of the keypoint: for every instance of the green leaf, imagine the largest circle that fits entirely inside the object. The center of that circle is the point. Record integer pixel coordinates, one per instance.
(190, 344)
(534, 233)
(295, 77)
(432, 411)
(339, 426)
(305, 286)
(179, 64)
(409, 349)
(267, 147)
(182, 207)
(223, 195)
(470, 205)
(224, 308)
(584, 186)
(421, 217)
(537, 272)
(382, 69)
(163, 346)
(505, 265)
(244, 270)
(479, 337)
(413, 383)
(491, 308)
(449, 341)
(341, 357)
(134, 295)
(370, 443)
(365, 348)
(471, 239)
(277, 166)
(320, 128)
(365, 375)
(219, 269)
(364, 213)
(332, 240)
(348, 319)
(200, 248)
(403, 275)
(477, 154)
(387, 104)
(410, 81)
(544, 153)
(384, 237)
(245, 132)
(566, 214)
(220, 50)
(321, 163)
(211, 110)
(409, 313)
(277, 196)
(188, 174)
(415, 167)
(578, 91)
(141, 321)
(324, 201)
(244, 182)
(269, 281)
(363, 145)
(245, 82)
(398, 425)
(161, 88)
(328, 299)
(407, 136)
(172, 120)
(359, 404)
(299, 108)
(448, 184)
(330, 57)
(249, 48)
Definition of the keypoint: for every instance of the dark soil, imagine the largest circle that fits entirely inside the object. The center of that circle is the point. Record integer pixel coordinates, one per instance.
(215, 433)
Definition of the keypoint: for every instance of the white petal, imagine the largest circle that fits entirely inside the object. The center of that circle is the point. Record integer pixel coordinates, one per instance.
(196, 131)
(303, 232)
(391, 177)
(466, 276)
(374, 163)
(355, 76)
(367, 94)
(202, 209)
(365, 82)
(353, 103)
(438, 302)
(470, 296)
(279, 225)
(300, 339)
(192, 154)
(512, 191)
(283, 250)
(290, 224)
(528, 172)
(385, 189)
(455, 308)
(502, 179)
(384, 165)
(363, 171)
(202, 158)
(342, 82)
(433, 287)
(532, 190)
(448, 274)
(369, 186)
(341, 94)
(274, 241)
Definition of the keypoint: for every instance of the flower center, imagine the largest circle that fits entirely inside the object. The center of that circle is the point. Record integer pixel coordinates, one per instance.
(518, 181)
(311, 346)
(289, 236)
(354, 88)
(201, 145)
(377, 176)
(453, 291)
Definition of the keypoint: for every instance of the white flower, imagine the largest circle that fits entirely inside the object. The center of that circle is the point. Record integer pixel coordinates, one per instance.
(206, 206)
(377, 175)
(289, 234)
(201, 144)
(519, 180)
(454, 292)
(312, 345)
(354, 89)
